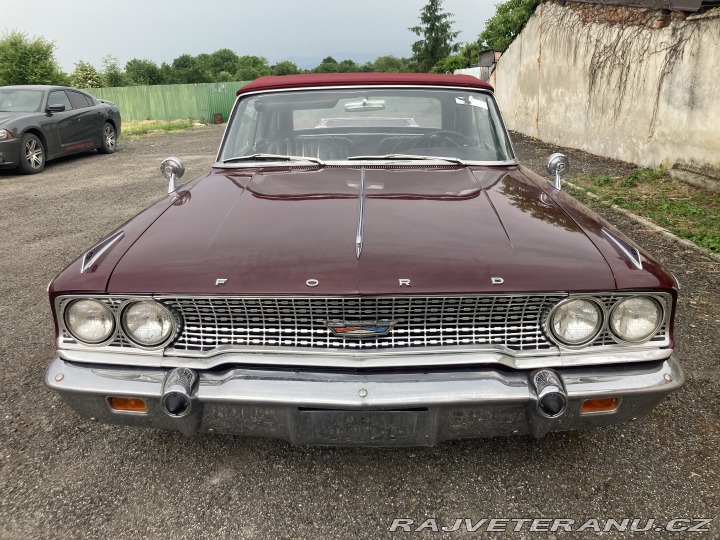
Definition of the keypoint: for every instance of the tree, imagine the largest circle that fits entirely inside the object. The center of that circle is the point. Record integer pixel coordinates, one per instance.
(328, 65)
(285, 68)
(450, 63)
(86, 76)
(222, 60)
(348, 66)
(28, 61)
(509, 19)
(142, 72)
(467, 56)
(251, 67)
(114, 76)
(187, 69)
(435, 29)
(391, 64)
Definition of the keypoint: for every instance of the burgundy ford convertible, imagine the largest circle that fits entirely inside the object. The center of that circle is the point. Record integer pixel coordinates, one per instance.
(365, 264)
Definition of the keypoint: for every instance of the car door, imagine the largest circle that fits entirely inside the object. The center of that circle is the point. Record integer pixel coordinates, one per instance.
(64, 124)
(90, 121)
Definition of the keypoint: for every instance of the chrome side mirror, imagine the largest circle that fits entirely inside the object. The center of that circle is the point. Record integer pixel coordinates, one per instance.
(557, 165)
(172, 168)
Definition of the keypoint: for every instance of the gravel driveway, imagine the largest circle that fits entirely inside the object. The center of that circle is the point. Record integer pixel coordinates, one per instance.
(63, 477)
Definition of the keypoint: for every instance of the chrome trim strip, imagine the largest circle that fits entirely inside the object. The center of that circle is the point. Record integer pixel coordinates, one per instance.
(629, 251)
(349, 361)
(407, 164)
(94, 254)
(361, 216)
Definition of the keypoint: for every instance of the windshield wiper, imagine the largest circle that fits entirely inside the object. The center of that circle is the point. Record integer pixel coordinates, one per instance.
(408, 157)
(274, 157)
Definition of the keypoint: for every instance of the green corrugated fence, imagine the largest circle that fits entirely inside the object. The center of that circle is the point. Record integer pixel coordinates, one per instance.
(172, 101)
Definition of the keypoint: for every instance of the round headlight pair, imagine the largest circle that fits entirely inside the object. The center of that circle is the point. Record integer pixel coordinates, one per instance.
(146, 323)
(578, 321)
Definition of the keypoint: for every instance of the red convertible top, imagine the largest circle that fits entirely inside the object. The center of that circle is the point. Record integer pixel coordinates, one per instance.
(350, 79)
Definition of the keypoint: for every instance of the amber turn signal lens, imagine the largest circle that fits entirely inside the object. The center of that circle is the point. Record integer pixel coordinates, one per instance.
(600, 405)
(127, 404)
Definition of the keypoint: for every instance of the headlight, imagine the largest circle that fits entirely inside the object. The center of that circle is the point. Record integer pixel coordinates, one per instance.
(5, 135)
(635, 319)
(576, 322)
(89, 321)
(148, 323)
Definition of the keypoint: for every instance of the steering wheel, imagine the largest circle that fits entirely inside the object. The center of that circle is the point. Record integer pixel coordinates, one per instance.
(447, 135)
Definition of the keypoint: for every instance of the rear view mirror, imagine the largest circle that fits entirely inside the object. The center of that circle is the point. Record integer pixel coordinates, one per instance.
(172, 168)
(557, 165)
(56, 108)
(365, 105)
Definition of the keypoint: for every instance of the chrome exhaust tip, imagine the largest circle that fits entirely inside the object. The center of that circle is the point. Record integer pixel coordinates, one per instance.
(551, 395)
(177, 392)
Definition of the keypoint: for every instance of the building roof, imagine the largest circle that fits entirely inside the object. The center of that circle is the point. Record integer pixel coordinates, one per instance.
(284, 82)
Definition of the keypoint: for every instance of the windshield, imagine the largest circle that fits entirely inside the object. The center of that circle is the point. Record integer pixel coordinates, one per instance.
(20, 100)
(369, 123)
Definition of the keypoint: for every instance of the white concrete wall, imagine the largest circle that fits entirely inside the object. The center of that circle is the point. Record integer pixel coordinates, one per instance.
(632, 112)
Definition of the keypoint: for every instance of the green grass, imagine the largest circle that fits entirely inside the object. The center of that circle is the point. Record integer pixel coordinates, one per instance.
(133, 130)
(686, 211)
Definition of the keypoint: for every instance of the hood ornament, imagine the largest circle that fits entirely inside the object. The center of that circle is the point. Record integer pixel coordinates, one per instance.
(361, 216)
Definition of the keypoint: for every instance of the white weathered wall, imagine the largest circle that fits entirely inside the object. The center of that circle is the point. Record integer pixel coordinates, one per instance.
(654, 99)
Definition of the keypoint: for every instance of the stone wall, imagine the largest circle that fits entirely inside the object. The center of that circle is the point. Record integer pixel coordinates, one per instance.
(632, 84)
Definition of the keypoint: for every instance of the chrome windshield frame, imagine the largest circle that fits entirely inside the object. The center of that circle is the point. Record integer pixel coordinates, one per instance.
(355, 163)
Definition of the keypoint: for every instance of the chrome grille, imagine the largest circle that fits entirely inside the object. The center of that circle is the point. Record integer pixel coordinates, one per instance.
(512, 323)
(499, 321)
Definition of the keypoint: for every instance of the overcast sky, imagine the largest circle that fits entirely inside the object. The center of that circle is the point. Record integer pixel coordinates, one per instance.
(303, 31)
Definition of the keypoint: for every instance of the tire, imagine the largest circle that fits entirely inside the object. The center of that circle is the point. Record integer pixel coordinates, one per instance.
(109, 139)
(32, 154)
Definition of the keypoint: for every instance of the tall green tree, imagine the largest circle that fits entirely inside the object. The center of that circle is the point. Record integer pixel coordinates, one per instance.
(187, 69)
(436, 37)
(25, 60)
(508, 21)
(142, 72)
(251, 67)
(388, 64)
(222, 60)
(114, 76)
(328, 65)
(285, 68)
(86, 76)
(467, 56)
(348, 66)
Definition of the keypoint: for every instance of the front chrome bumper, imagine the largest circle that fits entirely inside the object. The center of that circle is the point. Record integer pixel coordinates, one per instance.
(366, 409)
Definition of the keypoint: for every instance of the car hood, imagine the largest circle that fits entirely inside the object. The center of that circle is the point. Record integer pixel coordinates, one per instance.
(6, 117)
(444, 230)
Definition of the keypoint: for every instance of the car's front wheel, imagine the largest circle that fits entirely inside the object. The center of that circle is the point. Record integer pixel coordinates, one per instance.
(109, 139)
(32, 154)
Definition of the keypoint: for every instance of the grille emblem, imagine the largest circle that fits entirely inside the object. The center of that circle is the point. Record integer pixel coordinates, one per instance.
(360, 329)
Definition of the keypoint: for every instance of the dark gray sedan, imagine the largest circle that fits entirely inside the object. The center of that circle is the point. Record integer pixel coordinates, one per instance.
(40, 123)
